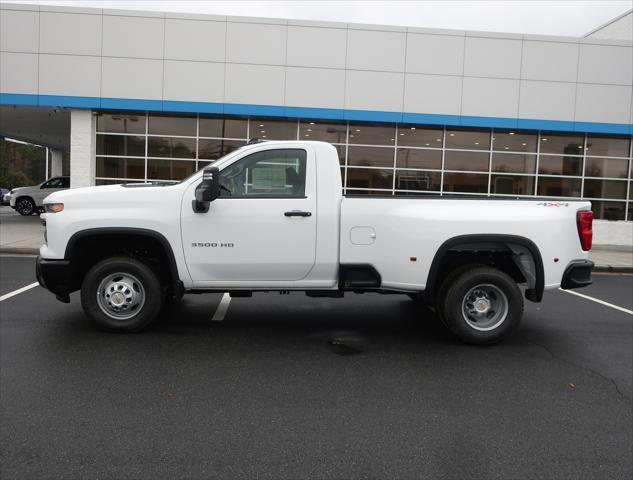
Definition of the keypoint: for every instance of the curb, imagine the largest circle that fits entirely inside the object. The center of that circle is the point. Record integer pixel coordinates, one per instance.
(612, 269)
(19, 250)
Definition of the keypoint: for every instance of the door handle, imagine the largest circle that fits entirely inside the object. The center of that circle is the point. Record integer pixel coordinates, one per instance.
(297, 213)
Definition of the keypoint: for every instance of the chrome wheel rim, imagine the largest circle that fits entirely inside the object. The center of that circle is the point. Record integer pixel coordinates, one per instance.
(485, 307)
(24, 207)
(120, 296)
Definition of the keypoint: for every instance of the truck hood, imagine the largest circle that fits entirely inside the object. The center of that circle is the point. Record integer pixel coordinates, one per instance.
(115, 195)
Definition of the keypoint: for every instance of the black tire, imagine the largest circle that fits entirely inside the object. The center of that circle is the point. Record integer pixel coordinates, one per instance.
(492, 290)
(446, 283)
(25, 206)
(121, 271)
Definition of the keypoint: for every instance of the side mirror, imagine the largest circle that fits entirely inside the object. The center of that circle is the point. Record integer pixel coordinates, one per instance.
(208, 190)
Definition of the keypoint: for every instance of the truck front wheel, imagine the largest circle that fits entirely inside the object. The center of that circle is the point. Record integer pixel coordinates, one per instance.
(121, 294)
(482, 305)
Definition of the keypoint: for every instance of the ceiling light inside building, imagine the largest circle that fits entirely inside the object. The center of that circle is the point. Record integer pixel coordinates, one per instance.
(412, 128)
(511, 133)
(452, 134)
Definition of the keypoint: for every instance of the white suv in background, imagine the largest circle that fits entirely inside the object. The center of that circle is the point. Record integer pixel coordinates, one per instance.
(28, 200)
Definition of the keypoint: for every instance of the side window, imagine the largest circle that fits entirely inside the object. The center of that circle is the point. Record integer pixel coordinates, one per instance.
(271, 173)
(65, 182)
(53, 183)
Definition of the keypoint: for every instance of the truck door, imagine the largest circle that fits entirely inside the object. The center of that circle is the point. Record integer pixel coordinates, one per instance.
(262, 228)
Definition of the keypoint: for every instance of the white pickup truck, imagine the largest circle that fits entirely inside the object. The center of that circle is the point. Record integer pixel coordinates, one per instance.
(271, 216)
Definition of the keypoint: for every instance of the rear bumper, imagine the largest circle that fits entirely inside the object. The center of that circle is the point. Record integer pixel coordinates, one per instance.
(55, 275)
(577, 275)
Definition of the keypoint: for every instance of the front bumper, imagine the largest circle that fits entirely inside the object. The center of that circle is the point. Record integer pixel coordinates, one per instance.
(56, 276)
(577, 275)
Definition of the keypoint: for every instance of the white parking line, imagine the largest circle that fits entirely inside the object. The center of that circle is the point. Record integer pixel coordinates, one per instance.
(222, 308)
(6, 296)
(601, 302)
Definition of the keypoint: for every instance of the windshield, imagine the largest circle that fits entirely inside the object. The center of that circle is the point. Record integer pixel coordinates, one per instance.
(217, 162)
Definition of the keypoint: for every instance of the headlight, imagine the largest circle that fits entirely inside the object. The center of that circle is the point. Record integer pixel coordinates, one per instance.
(53, 207)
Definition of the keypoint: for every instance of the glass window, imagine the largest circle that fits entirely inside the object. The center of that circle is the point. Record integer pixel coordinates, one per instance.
(609, 147)
(121, 167)
(513, 141)
(558, 187)
(364, 134)
(418, 180)
(561, 144)
(370, 156)
(117, 123)
(214, 149)
(122, 145)
(378, 193)
(65, 182)
(419, 158)
(513, 163)
(412, 136)
(630, 214)
(369, 178)
(606, 167)
(609, 210)
(56, 182)
(465, 183)
(468, 139)
(560, 165)
(340, 150)
(222, 127)
(272, 129)
(121, 181)
(169, 169)
(270, 173)
(512, 185)
(327, 132)
(468, 161)
(171, 147)
(605, 189)
(180, 126)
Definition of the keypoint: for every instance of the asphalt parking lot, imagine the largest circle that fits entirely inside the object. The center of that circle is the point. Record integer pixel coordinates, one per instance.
(264, 393)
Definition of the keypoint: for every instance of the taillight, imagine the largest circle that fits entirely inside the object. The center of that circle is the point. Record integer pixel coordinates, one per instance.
(584, 221)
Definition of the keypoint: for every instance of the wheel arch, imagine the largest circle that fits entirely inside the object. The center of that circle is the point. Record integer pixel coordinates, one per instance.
(515, 244)
(89, 237)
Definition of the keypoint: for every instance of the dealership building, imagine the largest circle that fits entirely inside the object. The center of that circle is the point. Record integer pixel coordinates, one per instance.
(144, 96)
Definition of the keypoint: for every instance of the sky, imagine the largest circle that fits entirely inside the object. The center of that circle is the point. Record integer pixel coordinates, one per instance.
(543, 17)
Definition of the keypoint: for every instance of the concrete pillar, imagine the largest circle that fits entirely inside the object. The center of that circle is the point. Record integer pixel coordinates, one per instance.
(56, 162)
(82, 148)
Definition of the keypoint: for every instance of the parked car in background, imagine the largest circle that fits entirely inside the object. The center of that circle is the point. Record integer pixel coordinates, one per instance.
(28, 200)
(4, 196)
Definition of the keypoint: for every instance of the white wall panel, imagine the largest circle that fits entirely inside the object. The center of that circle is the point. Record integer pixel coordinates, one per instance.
(18, 31)
(195, 40)
(603, 103)
(373, 50)
(492, 57)
(605, 64)
(316, 47)
(256, 84)
(374, 91)
(550, 61)
(315, 87)
(70, 34)
(133, 37)
(18, 73)
(70, 75)
(256, 43)
(194, 81)
(432, 94)
(547, 100)
(440, 54)
(490, 97)
(132, 78)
